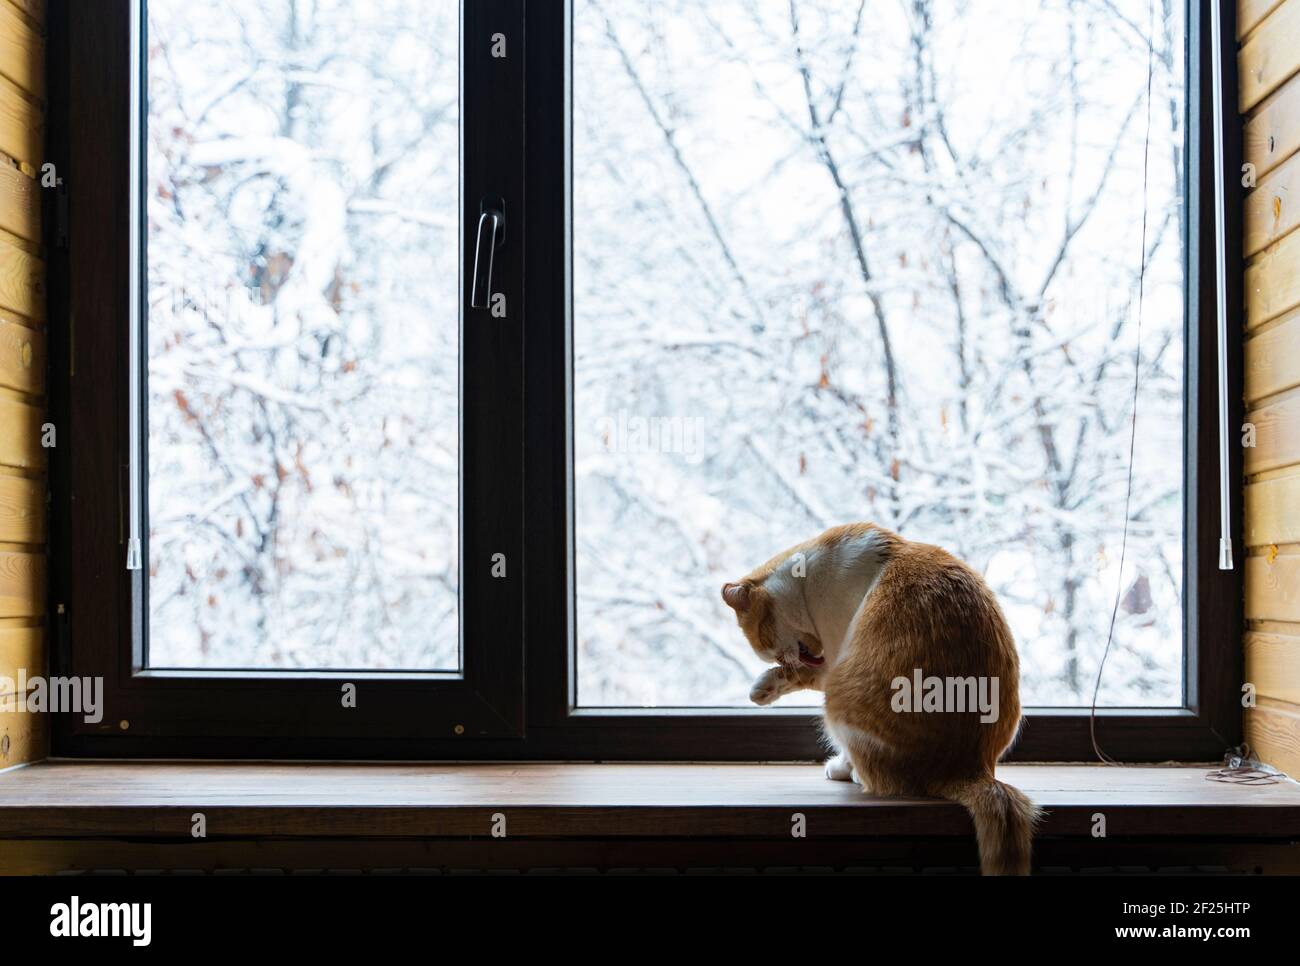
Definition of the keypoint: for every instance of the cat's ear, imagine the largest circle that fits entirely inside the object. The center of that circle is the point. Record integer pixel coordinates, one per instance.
(736, 596)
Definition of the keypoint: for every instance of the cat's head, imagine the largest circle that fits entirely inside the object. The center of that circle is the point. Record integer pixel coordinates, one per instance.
(774, 621)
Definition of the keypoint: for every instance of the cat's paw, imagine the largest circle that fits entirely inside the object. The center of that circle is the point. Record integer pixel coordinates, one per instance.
(767, 688)
(840, 768)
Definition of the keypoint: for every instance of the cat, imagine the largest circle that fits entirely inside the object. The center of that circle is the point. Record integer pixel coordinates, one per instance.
(873, 621)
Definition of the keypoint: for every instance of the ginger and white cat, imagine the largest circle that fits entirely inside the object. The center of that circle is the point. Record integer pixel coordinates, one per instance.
(866, 617)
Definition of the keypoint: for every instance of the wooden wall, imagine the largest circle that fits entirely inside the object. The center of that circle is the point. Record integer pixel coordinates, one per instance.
(1269, 91)
(22, 368)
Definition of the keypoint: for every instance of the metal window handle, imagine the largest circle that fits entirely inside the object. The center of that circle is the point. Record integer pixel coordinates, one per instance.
(491, 225)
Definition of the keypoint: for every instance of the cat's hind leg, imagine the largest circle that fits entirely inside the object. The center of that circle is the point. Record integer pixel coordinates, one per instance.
(851, 747)
(839, 768)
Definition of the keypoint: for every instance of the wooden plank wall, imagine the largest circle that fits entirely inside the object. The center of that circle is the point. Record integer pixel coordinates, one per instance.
(1269, 98)
(22, 370)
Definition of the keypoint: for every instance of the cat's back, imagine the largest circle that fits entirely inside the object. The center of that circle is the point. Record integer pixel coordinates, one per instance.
(928, 600)
(925, 573)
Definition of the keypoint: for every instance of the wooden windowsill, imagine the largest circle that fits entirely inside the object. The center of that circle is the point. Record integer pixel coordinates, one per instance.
(72, 800)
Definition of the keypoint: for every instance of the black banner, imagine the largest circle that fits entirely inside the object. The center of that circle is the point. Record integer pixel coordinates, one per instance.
(336, 913)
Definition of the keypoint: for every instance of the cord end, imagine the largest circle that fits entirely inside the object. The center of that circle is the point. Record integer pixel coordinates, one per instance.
(1225, 553)
(133, 554)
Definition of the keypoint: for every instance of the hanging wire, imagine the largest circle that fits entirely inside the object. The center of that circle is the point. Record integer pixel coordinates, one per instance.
(1137, 371)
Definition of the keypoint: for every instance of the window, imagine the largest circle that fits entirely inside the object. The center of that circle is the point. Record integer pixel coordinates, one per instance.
(302, 410)
(477, 344)
(839, 264)
(324, 442)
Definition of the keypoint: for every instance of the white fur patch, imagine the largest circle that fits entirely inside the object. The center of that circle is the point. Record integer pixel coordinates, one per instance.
(840, 769)
(847, 737)
(839, 582)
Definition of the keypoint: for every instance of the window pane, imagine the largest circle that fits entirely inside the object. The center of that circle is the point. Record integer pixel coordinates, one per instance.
(303, 334)
(879, 265)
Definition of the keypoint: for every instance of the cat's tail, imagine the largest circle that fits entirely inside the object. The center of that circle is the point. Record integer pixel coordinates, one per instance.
(1004, 823)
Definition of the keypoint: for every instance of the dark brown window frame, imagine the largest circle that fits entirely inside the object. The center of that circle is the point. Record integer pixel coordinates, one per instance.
(517, 701)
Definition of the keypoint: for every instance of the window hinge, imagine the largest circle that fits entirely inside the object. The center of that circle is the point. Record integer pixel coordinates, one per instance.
(61, 215)
(62, 640)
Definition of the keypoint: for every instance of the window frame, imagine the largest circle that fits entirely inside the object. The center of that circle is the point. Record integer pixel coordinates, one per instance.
(1201, 730)
(99, 607)
(529, 663)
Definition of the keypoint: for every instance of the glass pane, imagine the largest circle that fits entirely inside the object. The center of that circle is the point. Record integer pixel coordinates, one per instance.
(839, 261)
(302, 203)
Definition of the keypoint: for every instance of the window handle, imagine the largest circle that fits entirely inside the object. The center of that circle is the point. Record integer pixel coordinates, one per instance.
(491, 234)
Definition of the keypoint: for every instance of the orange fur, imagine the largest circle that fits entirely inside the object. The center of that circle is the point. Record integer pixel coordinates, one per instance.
(887, 608)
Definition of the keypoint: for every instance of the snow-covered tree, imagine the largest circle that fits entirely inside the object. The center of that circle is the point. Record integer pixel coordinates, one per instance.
(885, 256)
(834, 260)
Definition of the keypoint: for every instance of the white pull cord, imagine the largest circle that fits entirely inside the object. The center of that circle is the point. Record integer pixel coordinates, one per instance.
(134, 469)
(1221, 291)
